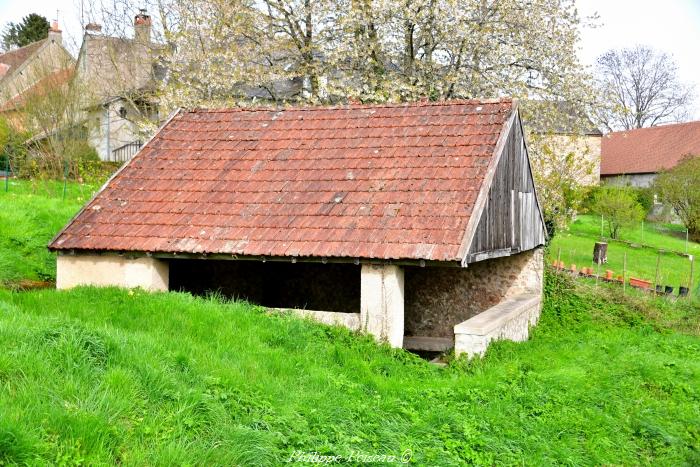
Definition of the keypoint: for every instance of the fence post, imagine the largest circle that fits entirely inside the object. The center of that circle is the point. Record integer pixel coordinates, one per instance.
(624, 274)
(690, 282)
(559, 260)
(7, 172)
(656, 276)
(686, 241)
(65, 178)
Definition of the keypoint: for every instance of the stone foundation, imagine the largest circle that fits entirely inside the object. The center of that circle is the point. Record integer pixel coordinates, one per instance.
(111, 270)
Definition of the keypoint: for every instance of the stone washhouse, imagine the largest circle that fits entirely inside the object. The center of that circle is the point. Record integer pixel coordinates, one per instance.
(417, 223)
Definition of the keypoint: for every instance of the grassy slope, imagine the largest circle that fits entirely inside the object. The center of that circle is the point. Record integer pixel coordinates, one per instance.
(108, 376)
(30, 215)
(577, 247)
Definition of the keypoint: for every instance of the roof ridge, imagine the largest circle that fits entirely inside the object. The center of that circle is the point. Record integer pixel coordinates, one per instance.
(13, 51)
(316, 107)
(658, 127)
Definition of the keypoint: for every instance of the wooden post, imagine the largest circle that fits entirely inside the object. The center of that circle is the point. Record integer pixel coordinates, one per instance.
(600, 252)
(686, 241)
(690, 282)
(559, 259)
(656, 277)
(624, 274)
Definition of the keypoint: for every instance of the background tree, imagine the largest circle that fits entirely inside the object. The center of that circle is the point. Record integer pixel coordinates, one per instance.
(680, 187)
(32, 28)
(640, 88)
(561, 166)
(619, 207)
(224, 53)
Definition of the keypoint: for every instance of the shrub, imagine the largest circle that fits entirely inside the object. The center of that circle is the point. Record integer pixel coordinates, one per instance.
(12, 146)
(679, 188)
(645, 197)
(619, 207)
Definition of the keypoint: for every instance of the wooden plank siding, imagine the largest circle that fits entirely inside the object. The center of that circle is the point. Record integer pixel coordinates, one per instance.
(511, 221)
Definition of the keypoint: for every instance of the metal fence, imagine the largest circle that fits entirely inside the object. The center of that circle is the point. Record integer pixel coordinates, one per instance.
(126, 152)
(660, 272)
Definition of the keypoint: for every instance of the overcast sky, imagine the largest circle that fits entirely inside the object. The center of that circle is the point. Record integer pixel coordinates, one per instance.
(669, 25)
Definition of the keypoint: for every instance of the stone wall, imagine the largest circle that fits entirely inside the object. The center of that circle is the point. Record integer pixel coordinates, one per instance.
(586, 149)
(437, 298)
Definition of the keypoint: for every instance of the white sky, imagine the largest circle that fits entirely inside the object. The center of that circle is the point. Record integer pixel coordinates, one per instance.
(669, 25)
(672, 26)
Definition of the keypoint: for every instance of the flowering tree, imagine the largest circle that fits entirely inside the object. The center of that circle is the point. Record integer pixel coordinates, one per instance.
(223, 53)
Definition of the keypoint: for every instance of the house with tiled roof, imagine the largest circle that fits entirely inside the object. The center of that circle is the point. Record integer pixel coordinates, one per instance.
(637, 156)
(32, 68)
(119, 76)
(418, 223)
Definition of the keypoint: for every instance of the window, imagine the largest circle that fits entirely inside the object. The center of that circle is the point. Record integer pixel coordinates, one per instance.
(122, 112)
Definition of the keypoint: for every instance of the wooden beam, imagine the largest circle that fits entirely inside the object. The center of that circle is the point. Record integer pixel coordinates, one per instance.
(290, 259)
(474, 257)
(435, 344)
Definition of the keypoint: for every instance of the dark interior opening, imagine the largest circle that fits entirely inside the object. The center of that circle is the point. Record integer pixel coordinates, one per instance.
(310, 286)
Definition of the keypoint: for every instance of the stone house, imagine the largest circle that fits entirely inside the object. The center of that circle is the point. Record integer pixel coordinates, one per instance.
(31, 68)
(417, 223)
(119, 76)
(570, 132)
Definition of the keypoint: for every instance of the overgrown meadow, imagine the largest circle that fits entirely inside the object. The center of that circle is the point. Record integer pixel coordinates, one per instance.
(108, 376)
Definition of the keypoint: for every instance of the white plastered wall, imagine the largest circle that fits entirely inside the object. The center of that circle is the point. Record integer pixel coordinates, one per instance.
(111, 270)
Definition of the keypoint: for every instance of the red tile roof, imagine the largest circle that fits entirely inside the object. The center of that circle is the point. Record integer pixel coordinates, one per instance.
(362, 181)
(648, 150)
(15, 58)
(55, 80)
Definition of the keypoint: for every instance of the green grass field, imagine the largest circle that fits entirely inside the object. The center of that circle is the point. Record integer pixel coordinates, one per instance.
(577, 242)
(30, 214)
(107, 376)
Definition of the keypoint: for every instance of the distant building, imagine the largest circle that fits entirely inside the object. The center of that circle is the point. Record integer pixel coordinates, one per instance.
(120, 77)
(571, 132)
(635, 157)
(31, 69)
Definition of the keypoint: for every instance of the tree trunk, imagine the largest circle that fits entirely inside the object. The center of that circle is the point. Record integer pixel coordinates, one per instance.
(600, 253)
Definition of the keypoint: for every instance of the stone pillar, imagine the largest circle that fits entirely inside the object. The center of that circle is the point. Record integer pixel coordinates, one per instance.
(381, 302)
(111, 270)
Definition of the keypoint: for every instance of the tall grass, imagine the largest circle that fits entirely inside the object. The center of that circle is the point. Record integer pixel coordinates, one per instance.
(107, 376)
(31, 213)
(576, 246)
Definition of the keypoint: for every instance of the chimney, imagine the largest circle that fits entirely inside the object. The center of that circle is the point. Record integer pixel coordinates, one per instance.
(55, 33)
(93, 28)
(142, 27)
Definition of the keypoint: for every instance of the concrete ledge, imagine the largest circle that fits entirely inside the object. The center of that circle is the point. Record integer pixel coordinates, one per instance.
(349, 320)
(510, 319)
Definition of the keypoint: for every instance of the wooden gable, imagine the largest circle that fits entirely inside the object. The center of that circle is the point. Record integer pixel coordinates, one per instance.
(511, 219)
